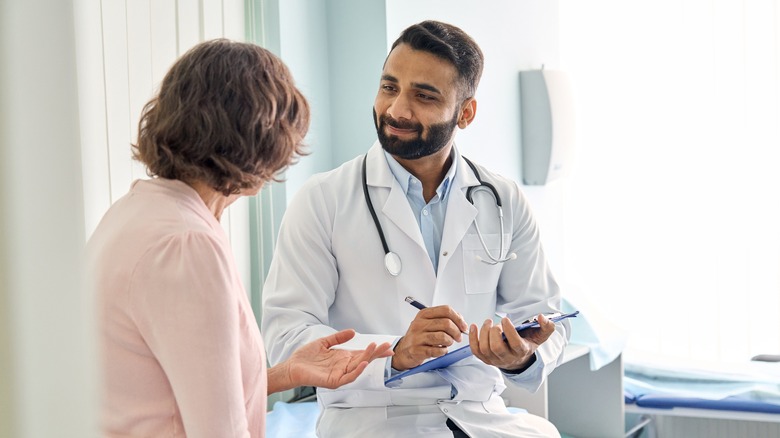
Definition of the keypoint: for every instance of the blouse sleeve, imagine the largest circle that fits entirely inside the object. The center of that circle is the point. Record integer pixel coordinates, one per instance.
(185, 305)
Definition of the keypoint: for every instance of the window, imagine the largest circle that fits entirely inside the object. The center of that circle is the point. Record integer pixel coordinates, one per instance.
(673, 209)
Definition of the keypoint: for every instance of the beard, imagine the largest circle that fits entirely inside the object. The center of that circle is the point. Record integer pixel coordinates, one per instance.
(439, 135)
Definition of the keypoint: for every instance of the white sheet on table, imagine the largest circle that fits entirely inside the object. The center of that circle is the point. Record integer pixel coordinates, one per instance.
(646, 374)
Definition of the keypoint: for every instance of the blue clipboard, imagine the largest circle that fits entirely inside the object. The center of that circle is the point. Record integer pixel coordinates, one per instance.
(464, 352)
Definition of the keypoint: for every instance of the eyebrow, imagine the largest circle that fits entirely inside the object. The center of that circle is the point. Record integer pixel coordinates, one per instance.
(391, 78)
(420, 85)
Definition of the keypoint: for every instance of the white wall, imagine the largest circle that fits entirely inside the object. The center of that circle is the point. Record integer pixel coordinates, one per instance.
(357, 50)
(47, 337)
(306, 54)
(336, 63)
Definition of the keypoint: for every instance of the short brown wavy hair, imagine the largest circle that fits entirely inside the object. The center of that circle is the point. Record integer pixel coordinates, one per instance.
(228, 114)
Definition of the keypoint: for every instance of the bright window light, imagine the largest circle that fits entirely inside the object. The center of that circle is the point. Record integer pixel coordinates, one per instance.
(673, 208)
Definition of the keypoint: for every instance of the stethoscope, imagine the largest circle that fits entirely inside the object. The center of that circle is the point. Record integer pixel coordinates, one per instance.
(393, 262)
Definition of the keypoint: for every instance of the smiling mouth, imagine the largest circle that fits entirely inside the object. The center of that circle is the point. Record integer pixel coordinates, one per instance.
(406, 129)
(392, 130)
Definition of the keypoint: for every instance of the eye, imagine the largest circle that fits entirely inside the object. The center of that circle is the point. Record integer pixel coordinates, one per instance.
(388, 88)
(423, 96)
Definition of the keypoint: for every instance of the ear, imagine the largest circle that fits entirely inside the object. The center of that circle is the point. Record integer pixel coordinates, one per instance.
(467, 112)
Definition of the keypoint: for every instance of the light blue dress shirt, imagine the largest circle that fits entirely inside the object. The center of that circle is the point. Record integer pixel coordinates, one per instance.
(430, 216)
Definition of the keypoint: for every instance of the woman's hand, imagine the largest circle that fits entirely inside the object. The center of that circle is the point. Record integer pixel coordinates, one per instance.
(316, 364)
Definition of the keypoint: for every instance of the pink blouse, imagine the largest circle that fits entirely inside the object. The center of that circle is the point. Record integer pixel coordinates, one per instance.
(181, 351)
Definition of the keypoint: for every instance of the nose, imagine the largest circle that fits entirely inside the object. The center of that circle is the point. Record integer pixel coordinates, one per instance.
(399, 108)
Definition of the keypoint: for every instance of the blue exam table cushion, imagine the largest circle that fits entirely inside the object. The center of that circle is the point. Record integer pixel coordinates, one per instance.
(292, 420)
(725, 404)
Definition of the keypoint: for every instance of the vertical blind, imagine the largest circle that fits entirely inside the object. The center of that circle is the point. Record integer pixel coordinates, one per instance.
(673, 209)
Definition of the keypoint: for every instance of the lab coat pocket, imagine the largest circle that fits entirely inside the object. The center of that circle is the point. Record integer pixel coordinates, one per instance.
(481, 277)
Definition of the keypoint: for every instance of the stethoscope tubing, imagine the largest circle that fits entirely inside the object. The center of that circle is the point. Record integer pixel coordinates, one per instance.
(492, 189)
(393, 261)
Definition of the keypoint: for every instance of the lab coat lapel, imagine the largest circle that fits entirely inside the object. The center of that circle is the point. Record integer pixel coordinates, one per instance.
(460, 212)
(395, 207)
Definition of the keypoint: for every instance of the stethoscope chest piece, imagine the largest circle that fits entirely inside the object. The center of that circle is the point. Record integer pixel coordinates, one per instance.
(393, 263)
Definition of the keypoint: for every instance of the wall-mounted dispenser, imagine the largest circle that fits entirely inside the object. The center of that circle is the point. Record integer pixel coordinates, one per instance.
(547, 125)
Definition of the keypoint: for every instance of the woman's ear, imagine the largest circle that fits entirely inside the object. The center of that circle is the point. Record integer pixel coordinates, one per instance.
(467, 112)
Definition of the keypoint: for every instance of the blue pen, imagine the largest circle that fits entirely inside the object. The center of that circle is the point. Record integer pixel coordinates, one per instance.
(420, 306)
(415, 303)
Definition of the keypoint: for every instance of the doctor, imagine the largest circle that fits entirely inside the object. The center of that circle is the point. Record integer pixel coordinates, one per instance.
(412, 217)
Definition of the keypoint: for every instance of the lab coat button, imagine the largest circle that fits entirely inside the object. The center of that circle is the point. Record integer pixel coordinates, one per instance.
(445, 410)
(445, 253)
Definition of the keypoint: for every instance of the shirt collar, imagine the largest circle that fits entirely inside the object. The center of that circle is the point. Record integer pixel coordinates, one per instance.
(403, 176)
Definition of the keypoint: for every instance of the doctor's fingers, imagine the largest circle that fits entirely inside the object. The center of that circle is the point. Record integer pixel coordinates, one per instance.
(444, 326)
(497, 338)
(515, 343)
(540, 334)
(444, 312)
(425, 352)
(410, 353)
(428, 339)
(494, 350)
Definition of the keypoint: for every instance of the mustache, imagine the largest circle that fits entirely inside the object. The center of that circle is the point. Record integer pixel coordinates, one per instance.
(400, 124)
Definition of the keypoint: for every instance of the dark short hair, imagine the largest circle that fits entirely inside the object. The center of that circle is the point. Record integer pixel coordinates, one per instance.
(451, 44)
(227, 114)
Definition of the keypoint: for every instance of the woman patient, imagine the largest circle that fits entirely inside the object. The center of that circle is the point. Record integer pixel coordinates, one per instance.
(181, 352)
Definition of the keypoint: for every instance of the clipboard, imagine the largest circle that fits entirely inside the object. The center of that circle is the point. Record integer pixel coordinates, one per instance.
(465, 351)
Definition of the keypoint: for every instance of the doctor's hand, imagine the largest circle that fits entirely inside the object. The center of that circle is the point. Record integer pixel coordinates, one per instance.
(430, 333)
(316, 364)
(517, 352)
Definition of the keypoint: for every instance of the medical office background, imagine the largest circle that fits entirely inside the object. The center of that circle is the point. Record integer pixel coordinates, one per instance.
(666, 228)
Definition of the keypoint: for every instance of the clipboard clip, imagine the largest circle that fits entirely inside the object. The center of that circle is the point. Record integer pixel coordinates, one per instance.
(546, 315)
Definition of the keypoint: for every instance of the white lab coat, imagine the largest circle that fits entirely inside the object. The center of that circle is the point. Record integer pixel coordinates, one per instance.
(328, 274)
